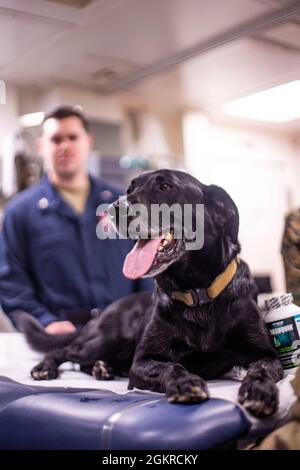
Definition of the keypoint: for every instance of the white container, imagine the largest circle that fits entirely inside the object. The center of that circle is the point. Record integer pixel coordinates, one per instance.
(283, 320)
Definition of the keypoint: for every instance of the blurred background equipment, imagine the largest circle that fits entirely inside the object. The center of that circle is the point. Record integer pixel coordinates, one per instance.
(28, 168)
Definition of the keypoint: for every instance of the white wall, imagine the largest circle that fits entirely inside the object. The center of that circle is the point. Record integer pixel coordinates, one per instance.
(259, 170)
(9, 125)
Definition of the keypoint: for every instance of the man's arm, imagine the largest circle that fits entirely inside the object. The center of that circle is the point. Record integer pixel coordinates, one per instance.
(17, 291)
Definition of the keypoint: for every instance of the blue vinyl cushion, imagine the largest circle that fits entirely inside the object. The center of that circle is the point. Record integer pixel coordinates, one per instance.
(57, 418)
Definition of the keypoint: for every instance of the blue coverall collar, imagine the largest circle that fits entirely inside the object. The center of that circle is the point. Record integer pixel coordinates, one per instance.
(54, 201)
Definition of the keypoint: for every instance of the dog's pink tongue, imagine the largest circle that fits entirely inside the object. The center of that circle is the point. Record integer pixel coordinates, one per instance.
(140, 258)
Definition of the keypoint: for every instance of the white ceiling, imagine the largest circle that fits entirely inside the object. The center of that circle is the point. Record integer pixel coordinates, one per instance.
(195, 52)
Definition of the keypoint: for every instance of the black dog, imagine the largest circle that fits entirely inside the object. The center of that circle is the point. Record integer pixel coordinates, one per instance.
(201, 320)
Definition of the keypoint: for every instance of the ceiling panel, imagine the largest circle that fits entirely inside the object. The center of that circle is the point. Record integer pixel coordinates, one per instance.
(113, 43)
(98, 71)
(20, 35)
(288, 34)
(237, 69)
(42, 9)
(137, 31)
(149, 31)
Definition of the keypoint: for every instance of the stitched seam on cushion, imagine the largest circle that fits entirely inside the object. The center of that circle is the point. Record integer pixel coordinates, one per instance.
(108, 427)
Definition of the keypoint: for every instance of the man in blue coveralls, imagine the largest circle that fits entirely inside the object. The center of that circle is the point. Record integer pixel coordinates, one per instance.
(52, 264)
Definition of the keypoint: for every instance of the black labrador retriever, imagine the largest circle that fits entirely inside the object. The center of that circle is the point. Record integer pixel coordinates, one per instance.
(202, 318)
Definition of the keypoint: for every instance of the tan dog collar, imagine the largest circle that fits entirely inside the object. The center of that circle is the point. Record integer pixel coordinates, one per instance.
(195, 297)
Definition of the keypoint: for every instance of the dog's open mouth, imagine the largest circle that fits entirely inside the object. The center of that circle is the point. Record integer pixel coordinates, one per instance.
(148, 255)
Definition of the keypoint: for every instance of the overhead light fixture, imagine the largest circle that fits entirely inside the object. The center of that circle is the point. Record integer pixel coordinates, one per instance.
(279, 104)
(32, 119)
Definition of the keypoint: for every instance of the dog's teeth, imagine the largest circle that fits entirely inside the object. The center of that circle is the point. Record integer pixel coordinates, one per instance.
(165, 242)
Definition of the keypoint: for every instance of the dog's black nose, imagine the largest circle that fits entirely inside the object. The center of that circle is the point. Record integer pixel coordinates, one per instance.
(118, 213)
(112, 212)
(118, 208)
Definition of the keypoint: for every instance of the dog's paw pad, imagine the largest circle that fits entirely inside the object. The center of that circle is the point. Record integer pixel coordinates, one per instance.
(44, 374)
(101, 371)
(194, 394)
(258, 408)
(260, 398)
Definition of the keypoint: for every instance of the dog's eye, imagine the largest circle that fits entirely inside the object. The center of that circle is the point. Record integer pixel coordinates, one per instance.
(165, 186)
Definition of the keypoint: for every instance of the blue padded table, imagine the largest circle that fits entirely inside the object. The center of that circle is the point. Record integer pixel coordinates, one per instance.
(50, 418)
(76, 412)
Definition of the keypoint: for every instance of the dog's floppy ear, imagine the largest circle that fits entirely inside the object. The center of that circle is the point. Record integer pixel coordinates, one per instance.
(223, 217)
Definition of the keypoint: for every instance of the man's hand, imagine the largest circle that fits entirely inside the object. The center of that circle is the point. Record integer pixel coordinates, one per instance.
(60, 327)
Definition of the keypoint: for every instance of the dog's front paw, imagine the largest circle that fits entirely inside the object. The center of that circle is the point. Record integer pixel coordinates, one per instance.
(187, 390)
(101, 371)
(44, 372)
(260, 398)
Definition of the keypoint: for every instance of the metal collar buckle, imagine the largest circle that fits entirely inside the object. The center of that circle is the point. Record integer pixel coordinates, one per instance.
(200, 297)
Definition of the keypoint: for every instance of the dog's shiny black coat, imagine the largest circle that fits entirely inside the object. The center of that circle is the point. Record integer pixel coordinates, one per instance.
(168, 346)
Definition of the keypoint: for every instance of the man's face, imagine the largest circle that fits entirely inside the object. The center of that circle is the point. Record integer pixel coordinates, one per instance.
(65, 145)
